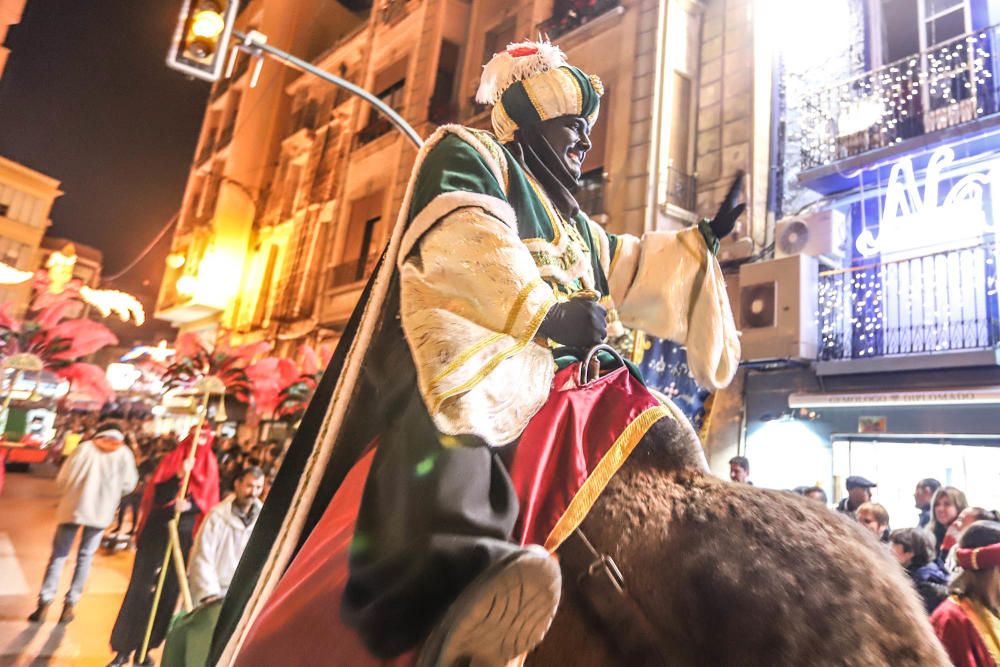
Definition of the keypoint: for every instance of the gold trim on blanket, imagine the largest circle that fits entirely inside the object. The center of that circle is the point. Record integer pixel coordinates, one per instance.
(596, 482)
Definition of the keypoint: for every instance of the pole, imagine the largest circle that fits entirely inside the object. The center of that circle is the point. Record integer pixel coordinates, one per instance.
(254, 42)
(172, 534)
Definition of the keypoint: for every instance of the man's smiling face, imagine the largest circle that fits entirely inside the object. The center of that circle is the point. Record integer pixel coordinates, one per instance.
(569, 137)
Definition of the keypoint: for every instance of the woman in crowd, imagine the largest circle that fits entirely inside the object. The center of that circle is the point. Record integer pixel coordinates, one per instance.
(914, 549)
(948, 502)
(156, 511)
(967, 623)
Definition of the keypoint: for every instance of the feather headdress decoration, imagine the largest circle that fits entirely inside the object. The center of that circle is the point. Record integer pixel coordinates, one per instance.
(518, 62)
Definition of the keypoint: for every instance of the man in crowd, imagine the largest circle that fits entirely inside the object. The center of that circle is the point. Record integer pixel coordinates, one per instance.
(859, 492)
(739, 470)
(922, 499)
(223, 536)
(217, 550)
(92, 481)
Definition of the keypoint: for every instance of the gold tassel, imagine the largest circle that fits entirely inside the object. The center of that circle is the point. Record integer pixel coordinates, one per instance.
(220, 414)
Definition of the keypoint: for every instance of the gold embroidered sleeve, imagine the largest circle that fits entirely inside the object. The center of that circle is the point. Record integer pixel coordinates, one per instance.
(472, 300)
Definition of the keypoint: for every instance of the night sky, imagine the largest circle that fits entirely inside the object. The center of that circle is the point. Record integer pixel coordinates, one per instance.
(87, 99)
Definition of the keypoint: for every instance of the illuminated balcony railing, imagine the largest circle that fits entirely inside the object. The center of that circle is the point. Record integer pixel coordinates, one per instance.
(574, 16)
(942, 302)
(949, 84)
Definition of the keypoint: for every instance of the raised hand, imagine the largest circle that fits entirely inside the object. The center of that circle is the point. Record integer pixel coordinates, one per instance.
(729, 211)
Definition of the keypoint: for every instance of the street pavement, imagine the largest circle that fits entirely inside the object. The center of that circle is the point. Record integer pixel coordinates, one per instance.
(27, 524)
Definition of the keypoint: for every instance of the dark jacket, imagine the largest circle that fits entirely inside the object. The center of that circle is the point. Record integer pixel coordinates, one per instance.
(932, 584)
(925, 517)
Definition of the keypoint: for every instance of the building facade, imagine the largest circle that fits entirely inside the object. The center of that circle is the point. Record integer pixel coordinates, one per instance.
(26, 198)
(871, 329)
(321, 175)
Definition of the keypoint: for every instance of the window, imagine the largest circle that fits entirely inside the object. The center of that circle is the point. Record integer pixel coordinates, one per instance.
(442, 104)
(361, 246)
(498, 37)
(906, 27)
(391, 86)
(680, 183)
(4, 208)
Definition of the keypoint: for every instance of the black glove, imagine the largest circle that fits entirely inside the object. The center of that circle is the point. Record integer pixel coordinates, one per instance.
(576, 323)
(725, 219)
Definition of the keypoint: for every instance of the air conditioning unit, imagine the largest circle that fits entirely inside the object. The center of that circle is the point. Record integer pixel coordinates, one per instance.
(777, 309)
(822, 234)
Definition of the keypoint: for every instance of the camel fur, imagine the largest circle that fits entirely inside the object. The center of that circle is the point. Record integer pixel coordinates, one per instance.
(731, 574)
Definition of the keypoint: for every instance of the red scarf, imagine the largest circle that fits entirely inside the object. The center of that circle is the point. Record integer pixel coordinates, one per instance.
(203, 489)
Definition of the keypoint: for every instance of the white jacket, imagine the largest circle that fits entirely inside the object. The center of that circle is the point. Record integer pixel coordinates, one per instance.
(93, 482)
(217, 550)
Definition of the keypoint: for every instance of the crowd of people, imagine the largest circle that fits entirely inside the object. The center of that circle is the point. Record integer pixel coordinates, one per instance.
(112, 473)
(952, 557)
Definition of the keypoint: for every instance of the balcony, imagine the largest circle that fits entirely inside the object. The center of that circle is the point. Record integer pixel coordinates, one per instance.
(567, 16)
(944, 304)
(951, 84)
(207, 148)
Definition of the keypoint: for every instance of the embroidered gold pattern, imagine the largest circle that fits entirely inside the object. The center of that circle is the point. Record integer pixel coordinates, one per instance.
(495, 361)
(462, 358)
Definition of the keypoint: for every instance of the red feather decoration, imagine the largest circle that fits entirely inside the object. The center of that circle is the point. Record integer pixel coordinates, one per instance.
(89, 380)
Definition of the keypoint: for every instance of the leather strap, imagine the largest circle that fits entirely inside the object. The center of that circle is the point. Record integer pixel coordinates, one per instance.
(602, 586)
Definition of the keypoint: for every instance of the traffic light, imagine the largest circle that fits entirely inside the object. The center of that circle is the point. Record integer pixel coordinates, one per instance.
(203, 31)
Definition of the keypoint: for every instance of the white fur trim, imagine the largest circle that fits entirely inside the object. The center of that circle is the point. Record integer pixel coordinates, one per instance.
(503, 69)
(678, 293)
(447, 203)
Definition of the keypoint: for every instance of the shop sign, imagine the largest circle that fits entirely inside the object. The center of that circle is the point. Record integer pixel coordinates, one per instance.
(911, 220)
(972, 396)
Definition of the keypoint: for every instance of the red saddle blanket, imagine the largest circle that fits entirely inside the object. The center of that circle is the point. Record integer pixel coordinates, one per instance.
(565, 458)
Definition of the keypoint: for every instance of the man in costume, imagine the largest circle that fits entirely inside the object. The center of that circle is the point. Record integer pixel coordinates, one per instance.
(493, 280)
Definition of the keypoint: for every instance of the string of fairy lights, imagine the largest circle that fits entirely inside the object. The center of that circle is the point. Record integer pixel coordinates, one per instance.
(938, 88)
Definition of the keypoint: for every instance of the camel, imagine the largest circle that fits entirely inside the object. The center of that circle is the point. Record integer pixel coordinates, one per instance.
(730, 574)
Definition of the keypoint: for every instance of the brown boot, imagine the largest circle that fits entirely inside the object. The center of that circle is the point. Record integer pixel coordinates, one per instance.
(38, 616)
(67, 615)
